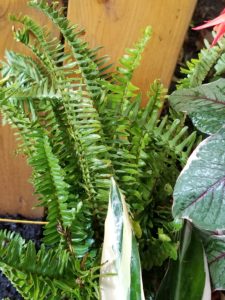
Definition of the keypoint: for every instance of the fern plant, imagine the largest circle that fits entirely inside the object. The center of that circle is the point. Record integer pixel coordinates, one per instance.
(80, 125)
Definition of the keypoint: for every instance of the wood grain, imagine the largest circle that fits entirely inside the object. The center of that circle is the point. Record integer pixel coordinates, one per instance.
(16, 194)
(117, 24)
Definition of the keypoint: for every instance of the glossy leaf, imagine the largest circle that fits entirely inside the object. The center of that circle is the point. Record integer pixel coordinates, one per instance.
(199, 190)
(121, 270)
(205, 104)
(187, 277)
(215, 251)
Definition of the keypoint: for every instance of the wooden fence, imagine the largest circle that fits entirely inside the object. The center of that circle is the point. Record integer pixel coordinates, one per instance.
(115, 24)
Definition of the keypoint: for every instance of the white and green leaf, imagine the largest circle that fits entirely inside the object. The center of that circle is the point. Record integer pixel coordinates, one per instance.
(205, 104)
(215, 251)
(121, 271)
(199, 191)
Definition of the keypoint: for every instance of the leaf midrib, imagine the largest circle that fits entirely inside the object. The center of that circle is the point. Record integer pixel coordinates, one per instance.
(216, 101)
(222, 255)
(201, 196)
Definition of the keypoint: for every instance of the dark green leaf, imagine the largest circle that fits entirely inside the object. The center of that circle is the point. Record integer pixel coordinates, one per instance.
(187, 277)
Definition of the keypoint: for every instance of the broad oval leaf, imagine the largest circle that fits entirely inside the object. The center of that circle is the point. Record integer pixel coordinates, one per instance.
(199, 193)
(205, 104)
(187, 277)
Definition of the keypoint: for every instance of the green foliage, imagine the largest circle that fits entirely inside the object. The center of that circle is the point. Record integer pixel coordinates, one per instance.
(198, 193)
(205, 104)
(46, 274)
(79, 126)
(187, 277)
(209, 64)
(214, 247)
(199, 190)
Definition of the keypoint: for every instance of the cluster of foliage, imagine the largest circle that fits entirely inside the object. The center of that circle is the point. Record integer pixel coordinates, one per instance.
(79, 126)
(199, 191)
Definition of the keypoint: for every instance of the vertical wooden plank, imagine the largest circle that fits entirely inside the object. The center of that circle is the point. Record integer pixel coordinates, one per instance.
(117, 24)
(16, 194)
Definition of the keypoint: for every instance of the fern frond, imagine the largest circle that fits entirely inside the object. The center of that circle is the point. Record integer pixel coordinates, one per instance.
(87, 67)
(49, 51)
(18, 119)
(220, 64)
(84, 57)
(175, 138)
(113, 110)
(146, 119)
(198, 69)
(46, 274)
(27, 270)
(47, 110)
(53, 188)
(120, 90)
(85, 130)
(17, 62)
(55, 192)
(83, 63)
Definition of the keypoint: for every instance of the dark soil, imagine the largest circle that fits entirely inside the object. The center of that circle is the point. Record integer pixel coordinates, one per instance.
(205, 10)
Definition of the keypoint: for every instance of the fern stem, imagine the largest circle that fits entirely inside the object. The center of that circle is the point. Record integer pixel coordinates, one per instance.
(24, 221)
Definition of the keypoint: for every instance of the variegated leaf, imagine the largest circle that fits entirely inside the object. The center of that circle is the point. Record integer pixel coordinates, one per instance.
(121, 271)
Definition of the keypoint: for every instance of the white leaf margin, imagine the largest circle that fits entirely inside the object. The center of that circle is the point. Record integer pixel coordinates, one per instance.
(115, 278)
